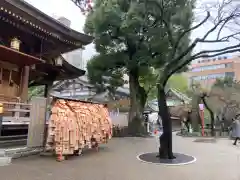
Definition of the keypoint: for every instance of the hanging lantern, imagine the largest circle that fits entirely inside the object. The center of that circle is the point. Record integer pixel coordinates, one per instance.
(59, 61)
(15, 44)
(1, 108)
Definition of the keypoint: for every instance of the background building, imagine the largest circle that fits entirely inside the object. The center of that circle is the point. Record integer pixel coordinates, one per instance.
(74, 57)
(206, 71)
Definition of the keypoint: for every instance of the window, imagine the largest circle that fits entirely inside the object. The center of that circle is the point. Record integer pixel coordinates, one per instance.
(229, 65)
(230, 74)
(211, 67)
(208, 77)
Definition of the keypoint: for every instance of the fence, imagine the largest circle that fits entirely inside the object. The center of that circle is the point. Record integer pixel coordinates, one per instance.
(30, 117)
(15, 113)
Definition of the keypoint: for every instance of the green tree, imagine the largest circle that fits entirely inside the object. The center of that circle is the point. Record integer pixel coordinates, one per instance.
(121, 29)
(178, 82)
(105, 76)
(147, 80)
(35, 91)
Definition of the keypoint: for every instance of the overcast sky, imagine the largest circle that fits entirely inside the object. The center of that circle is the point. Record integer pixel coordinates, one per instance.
(67, 9)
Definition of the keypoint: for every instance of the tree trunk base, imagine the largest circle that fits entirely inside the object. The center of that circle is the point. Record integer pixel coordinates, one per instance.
(136, 127)
(164, 151)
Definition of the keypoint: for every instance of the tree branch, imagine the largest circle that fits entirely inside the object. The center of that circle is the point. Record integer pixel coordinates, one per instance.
(222, 21)
(177, 68)
(206, 52)
(188, 31)
(223, 39)
(173, 63)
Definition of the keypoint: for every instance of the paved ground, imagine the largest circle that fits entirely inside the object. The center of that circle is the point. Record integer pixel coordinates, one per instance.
(117, 161)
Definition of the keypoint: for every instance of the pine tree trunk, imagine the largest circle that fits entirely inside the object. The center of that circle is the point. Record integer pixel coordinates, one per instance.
(165, 149)
(137, 102)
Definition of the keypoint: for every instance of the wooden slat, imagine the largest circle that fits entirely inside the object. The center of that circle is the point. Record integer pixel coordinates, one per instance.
(15, 103)
(12, 119)
(17, 110)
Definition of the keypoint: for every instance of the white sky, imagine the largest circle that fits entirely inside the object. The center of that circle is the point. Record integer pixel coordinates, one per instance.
(68, 9)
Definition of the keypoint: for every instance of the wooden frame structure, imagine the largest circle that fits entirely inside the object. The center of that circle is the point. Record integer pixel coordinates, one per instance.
(36, 59)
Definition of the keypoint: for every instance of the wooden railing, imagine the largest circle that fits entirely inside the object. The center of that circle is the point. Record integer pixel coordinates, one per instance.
(15, 112)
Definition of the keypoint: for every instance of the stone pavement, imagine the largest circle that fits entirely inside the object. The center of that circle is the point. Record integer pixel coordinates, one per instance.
(117, 161)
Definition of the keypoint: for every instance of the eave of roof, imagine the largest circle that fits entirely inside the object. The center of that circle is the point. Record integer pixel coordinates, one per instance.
(16, 57)
(66, 71)
(35, 13)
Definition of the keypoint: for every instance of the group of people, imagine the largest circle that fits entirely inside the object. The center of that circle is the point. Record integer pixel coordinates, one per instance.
(234, 128)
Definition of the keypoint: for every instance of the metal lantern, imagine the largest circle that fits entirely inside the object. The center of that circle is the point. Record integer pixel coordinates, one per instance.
(1, 108)
(15, 44)
(59, 62)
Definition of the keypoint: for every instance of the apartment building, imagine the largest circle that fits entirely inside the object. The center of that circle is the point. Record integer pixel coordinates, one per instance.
(206, 71)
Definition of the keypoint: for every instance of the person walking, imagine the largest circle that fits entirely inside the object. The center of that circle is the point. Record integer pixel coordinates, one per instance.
(236, 130)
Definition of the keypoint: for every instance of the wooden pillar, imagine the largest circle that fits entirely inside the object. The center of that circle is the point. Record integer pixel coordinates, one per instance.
(24, 83)
(36, 128)
(47, 92)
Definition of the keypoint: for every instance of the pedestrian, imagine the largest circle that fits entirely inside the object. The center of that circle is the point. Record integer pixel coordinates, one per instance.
(188, 121)
(236, 130)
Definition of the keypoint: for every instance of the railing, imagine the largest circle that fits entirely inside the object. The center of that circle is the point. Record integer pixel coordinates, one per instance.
(182, 96)
(15, 113)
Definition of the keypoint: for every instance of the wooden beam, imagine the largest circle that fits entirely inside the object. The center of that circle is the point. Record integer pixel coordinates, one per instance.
(24, 84)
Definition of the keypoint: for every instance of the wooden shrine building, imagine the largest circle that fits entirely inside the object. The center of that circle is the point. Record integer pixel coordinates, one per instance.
(31, 44)
(31, 48)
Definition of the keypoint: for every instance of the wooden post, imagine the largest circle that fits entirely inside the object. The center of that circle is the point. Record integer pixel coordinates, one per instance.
(24, 83)
(47, 91)
(36, 128)
(1, 117)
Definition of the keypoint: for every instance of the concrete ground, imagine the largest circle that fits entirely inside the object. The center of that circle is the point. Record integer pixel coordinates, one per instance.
(117, 161)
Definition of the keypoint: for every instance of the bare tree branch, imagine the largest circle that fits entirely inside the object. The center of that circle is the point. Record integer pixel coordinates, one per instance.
(223, 39)
(206, 52)
(175, 64)
(177, 68)
(188, 31)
